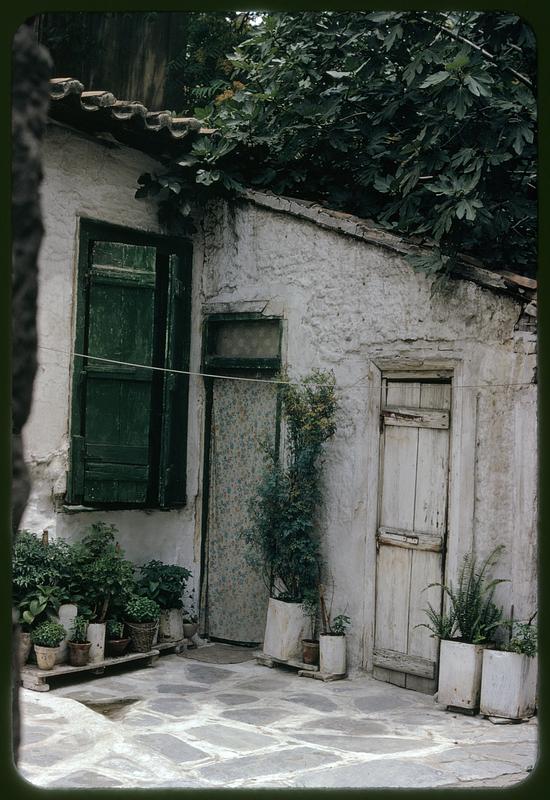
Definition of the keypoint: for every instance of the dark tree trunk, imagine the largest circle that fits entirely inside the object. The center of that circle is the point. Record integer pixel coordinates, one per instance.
(31, 71)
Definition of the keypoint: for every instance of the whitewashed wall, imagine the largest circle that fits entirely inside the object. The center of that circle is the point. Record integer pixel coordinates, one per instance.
(348, 306)
(353, 307)
(86, 179)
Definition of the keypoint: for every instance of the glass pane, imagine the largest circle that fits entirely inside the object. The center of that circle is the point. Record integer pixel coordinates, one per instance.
(246, 339)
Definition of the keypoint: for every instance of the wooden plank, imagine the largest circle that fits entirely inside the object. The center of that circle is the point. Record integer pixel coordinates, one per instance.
(403, 662)
(391, 604)
(425, 569)
(117, 453)
(418, 374)
(414, 417)
(424, 685)
(37, 679)
(417, 540)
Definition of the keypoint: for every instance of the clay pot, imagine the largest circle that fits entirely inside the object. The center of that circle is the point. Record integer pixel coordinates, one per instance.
(25, 645)
(310, 652)
(117, 647)
(79, 653)
(190, 629)
(46, 656)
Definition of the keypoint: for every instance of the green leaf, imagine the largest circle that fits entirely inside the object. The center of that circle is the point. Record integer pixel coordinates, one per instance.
(436, 78)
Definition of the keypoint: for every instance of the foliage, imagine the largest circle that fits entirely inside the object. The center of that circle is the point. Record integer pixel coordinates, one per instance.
(523, 639)
(48, 634)
(79, 630)
(339, 624)
(106, 577)
(115, 629)
(422, 121)
(310, 605)
(38, 606)
(472, 616)
(141, 609)
(164, 583)
(36, 563)
(282, 536)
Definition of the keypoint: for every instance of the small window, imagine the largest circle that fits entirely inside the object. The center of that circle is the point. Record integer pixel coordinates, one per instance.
(240, 341)
(129, 422)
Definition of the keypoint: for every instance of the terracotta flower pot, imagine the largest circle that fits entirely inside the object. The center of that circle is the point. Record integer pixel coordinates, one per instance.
(310, 651)
(117, 647)
(25, 645)
(190, 629)
(46, 656)
(79, 653)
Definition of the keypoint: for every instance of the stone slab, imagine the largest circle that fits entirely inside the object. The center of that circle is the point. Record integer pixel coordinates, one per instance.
(171, 747)
(367, 744)
(225, 736)
(377, 773)
(266, 764)
(315, 701)
(255, 716)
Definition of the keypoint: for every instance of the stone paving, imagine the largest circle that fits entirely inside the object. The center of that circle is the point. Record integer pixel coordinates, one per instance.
(196, 725)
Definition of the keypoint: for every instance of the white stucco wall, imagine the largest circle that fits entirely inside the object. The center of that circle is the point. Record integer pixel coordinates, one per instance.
(353, 307)
(84, 178)
(349, 306)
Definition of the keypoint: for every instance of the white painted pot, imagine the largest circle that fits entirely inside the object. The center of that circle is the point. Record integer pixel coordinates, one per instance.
(96, 635)
(332, 654)
(286, 625)
(66, 614)
(508, 685)
(460, 674)
(171, 625)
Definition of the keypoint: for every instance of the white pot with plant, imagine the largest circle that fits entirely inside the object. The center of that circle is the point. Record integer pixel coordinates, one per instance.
(465, 630)
(332, 641)
(283, 534)
(165, 584)
(47, 638)
(509, 679)
(67, 614)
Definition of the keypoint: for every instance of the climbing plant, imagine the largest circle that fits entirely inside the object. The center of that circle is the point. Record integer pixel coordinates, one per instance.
(283, 536)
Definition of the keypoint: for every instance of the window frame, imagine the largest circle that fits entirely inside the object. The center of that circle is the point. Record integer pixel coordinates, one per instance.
(92, 230)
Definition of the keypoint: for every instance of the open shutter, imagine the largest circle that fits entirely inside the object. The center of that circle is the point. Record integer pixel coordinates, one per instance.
(175, 390)
(116, 398)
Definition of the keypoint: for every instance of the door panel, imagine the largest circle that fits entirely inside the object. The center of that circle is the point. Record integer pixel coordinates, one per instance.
(413, 485)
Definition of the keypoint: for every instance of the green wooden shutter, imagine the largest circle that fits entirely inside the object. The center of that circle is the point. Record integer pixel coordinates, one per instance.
(114, 443)
(175, 390)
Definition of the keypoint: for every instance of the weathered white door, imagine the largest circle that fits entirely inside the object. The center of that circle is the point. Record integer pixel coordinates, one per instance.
(413, 488)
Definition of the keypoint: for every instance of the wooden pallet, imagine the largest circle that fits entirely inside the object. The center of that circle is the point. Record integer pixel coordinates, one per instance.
(304, 670)
(38, 679)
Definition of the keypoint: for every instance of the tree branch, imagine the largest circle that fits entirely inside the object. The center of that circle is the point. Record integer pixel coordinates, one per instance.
(458, 37)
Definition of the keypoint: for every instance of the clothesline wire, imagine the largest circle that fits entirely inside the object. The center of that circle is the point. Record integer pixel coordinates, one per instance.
(239, 378)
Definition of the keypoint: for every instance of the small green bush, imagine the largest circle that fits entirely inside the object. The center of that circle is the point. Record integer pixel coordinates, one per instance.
(115, 629)
(79, 630)
(523, 639)
(142, 609)
(163, 583)
(339, 624)
(48, 634)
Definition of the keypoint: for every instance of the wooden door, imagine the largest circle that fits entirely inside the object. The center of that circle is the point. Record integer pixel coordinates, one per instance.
(412, 519)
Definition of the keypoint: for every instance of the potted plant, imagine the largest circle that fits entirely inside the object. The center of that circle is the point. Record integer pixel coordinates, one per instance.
(332, 641)
(283, 536)
(190, 617)
(116, 642)
(142, 620)
(509, 677)
(108, 581)
(165, 584)
(78, 644)
(465, 630)
(35, 606)
(46, 638)
(310, 646)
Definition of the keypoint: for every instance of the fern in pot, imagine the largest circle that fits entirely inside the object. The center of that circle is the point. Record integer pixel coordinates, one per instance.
(509, 677)
(283, 537)
(465, 629)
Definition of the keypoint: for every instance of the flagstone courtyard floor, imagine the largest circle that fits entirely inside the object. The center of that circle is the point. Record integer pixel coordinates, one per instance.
(184, 723)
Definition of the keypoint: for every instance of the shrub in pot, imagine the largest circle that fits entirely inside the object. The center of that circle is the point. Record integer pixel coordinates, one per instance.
(46, 638)
(283, 538)
(310, 646)
(116, 642)
(465, 630)
(165, 584)
(509, 677)
(78, 644)
(332, 641)
(142, 620)
(107, 579)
